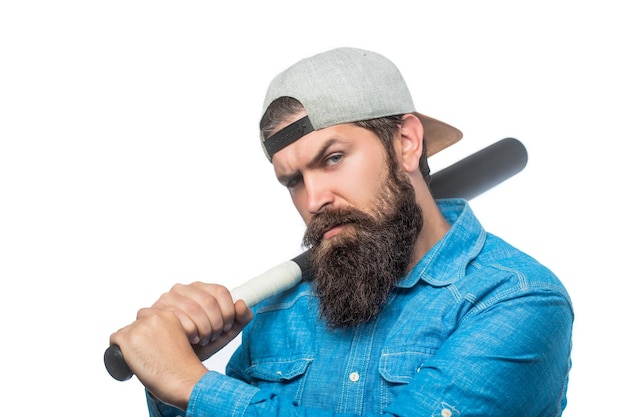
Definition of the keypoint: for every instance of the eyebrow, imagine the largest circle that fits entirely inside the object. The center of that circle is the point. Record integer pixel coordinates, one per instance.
(319, 155)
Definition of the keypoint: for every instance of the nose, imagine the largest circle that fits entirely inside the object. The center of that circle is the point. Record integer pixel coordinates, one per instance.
(318, 194)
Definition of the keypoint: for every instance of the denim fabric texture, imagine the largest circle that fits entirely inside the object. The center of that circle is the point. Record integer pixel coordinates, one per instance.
(477, 328)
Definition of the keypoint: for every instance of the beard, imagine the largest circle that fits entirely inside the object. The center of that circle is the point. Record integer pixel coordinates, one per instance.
(355, 271)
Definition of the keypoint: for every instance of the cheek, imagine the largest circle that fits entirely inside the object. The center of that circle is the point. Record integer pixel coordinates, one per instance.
(362, 188)
(299, 202)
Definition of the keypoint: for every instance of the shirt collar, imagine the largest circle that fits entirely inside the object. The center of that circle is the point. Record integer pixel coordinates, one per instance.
(447, 261)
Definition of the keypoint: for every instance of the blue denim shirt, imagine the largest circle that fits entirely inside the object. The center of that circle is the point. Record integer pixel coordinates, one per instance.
(477, 328)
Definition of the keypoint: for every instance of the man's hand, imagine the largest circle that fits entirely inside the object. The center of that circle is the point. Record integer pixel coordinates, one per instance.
(206, 312)
(158, 345)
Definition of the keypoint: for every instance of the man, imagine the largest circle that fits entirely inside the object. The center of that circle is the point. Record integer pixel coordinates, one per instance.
(410, 309)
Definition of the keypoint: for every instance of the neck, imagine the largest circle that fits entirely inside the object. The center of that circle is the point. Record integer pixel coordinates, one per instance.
(434, 229)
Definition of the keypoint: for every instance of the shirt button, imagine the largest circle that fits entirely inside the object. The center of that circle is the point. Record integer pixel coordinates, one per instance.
(354, 376)
(446, 412)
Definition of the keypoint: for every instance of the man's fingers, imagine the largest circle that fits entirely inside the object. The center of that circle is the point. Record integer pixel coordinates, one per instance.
(243, 316)
(204, 310)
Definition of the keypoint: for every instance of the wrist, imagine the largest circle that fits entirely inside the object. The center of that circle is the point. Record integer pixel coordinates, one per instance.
(181, 387)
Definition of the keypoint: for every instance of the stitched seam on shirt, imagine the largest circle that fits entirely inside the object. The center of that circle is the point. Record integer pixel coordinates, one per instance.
(477, 303)
(368, 363)
(523, 286)
(456, 294)
(239, 401)
(284, 305)
(356, 341)
(341, 404)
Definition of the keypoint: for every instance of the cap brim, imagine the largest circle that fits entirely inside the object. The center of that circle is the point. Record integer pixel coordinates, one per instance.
(438, 135)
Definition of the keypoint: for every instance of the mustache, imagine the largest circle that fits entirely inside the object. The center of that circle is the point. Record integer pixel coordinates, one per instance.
(332, 217)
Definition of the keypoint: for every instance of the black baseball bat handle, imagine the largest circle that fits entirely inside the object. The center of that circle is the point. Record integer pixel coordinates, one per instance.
(480, 171)
(115, 363)
(467, 178)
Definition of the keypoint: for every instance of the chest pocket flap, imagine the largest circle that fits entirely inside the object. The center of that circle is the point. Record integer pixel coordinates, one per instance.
(279, 370)
(398, 367)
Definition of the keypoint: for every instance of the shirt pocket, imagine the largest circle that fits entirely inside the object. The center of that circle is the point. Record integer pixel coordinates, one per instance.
(398, 366)
(286, 376)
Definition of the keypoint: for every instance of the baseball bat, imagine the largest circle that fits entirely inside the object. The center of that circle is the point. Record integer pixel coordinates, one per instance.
(467, 178)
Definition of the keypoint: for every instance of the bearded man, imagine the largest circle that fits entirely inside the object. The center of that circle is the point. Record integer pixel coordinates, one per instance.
(410, 307)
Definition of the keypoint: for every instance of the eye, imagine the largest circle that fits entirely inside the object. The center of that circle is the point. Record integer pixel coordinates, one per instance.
(333, 159)
(294, 182)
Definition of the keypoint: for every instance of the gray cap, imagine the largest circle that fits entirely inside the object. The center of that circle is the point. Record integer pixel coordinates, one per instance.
(346, 85)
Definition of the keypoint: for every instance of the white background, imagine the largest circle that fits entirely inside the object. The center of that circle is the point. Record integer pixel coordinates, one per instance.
(129, 160)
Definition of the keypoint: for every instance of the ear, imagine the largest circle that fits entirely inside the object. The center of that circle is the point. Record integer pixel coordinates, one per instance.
(411, 140)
